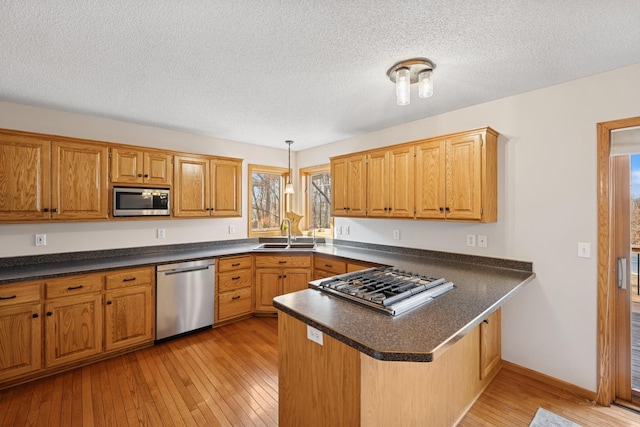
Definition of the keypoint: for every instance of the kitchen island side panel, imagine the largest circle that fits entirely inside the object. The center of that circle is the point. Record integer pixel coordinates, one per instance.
(319, 385)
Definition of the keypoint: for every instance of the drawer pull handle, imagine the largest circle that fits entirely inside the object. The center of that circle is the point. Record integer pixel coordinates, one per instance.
(35, 315)
(328, 265)
(129, 279)
(235, 264)
(236, 297)
(73, 288)
(11, 297)
(235, 278)
(282, 262)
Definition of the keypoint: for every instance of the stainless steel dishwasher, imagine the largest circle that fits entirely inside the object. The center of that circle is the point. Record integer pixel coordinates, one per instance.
(184, 297)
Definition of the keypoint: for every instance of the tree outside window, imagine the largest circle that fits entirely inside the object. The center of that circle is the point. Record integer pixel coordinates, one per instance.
(320, 200)
(266, 199)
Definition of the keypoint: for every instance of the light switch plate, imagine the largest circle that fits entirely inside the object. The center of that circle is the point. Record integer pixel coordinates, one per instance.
(584, 250)
(396, 234)
(314, 335)
(161, 233)
(471, 239)
(232, 229)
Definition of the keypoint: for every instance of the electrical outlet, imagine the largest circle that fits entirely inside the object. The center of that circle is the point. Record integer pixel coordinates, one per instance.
(161, 234)
(471, 239)
(232, 229)
(396, 234)
(482, 241)
(339, 229)
(584, 250)
(41, 240)
(314, 335)
(346, 229)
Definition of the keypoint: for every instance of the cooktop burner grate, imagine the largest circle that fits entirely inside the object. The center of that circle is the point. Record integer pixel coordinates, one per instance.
(386, 289)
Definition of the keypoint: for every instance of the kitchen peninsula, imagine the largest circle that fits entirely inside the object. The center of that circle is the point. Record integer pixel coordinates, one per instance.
(424, 367)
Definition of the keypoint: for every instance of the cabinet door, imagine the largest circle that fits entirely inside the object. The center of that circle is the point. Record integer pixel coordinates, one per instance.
(79, 181)
(339, 186)
(464, 174)
(73, 328)
(268, 286)
(126, 166)
(25, 172)
(234, 304)
(157, 168)
(401, 182)
(378, 203)
(430, 177)
(21, 333)
(226, 187)
(295, 280)
(191, 187)
(357, 186)
(490, 344)
(129, 317)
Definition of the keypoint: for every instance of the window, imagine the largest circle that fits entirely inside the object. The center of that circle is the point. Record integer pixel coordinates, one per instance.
(266, 187)
(317, 182)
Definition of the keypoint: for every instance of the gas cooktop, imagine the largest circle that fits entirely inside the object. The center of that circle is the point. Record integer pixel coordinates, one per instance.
(386, 289)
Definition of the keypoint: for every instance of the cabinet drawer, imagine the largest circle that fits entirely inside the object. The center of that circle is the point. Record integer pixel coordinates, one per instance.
(234, 263)
(129, 277)
(19, 293)
(235, 303)
(234, 280)
(74, 285)
(330, 265)
(283, 261)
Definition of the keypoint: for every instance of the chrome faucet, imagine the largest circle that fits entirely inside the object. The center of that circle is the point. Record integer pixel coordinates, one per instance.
(288, 229)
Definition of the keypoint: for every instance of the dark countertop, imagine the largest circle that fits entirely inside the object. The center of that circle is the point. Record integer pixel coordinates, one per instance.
(420, 334)
(482, 285)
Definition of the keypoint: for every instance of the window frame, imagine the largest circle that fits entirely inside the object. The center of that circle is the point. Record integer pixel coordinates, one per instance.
(283, 173)
(305, 181)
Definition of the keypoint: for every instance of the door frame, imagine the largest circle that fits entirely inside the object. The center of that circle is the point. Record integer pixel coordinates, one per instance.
(606, 289)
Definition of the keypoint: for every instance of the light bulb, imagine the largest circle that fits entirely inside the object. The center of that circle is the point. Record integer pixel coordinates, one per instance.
(403, 93)
(425, 84)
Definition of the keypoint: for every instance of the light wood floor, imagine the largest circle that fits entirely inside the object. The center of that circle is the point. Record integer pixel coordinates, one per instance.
(228, 376)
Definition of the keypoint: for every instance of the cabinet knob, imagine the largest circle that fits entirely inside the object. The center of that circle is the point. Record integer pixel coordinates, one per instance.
(146, 175)
(285, 276)
(54, 210)
(49, 313)
(440, 209)
(35, 315)
(486, 321)
(139, 175)
(45, 210)
(447, 209)
(109, 302)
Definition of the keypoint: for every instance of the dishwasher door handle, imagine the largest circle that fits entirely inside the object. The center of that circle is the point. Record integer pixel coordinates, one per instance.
(186, 269)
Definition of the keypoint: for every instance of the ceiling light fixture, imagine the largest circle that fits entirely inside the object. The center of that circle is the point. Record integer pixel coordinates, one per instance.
(415, 70)
(288, 189)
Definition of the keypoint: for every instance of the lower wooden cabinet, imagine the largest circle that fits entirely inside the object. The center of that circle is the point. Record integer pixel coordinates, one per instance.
(491, 344)
(277, 275)
(20, 330)
(129, 308)
(234, 288)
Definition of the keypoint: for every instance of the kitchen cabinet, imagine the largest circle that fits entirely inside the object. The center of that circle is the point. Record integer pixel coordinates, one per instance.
(20, 329)
(234, 290)
(206, 187)
(279, 274)
(130, 165)
(491, 345)
(129, 308)
(457, 177)
(73, 318)
(324, 266)
(43, 179)
(349, 185)
(390, 182)
(25, 177)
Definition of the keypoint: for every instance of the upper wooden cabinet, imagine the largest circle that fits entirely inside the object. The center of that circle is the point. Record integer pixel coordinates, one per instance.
(42, 180)
(79, 182)
(25, 178)
(349, 185)
(206, 187)
(452, 177)
(134, 166)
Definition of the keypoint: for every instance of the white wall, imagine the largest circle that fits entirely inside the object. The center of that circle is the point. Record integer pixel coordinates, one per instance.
(547, 204)
(18, 239)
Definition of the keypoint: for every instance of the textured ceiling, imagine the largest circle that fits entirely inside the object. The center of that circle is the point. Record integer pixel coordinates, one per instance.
(309, 70)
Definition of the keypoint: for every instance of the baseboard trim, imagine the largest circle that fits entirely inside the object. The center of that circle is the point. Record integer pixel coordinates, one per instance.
(538, 376)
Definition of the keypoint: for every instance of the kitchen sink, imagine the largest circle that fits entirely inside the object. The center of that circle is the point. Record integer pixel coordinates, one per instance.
(284, 246)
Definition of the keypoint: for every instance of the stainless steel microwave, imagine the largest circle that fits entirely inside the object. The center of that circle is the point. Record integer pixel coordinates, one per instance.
(133, 201)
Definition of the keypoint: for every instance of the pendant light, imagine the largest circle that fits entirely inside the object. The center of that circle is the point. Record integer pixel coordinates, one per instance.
(288, 189)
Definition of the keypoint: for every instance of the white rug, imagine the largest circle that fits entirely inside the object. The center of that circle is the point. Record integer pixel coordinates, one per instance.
(545, 418)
